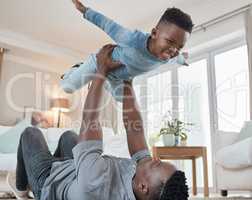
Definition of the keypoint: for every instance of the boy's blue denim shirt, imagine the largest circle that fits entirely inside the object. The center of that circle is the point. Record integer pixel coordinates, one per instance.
(132, 47)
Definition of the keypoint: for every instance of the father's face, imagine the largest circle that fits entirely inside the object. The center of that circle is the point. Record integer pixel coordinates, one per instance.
(152, 174)
(160, 171)
(155, 178)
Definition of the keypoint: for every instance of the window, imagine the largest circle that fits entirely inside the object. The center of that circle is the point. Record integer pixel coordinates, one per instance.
(194, 108)
(232, 88)
(159, 100)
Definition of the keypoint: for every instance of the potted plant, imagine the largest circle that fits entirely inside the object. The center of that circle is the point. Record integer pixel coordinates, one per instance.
(174, 130)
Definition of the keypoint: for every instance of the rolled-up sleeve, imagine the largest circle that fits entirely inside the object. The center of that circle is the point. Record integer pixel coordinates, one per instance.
(88, 156)
(141, 155)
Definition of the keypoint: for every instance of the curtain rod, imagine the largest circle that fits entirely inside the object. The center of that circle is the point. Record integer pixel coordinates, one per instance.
(217, 20)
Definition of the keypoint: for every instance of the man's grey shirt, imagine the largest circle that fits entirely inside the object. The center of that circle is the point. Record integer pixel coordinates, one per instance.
(90, 175)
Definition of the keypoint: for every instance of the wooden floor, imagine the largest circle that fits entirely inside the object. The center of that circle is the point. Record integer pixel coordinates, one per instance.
(202, 198)
(192, 198)
(4, 187)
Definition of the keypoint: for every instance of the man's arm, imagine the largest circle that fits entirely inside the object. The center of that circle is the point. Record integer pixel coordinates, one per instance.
(87, 155)
(90, 127)
(117, 32)
(133, 121)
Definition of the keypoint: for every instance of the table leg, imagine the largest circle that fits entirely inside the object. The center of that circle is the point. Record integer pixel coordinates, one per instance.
(205, 169)
(194, 177)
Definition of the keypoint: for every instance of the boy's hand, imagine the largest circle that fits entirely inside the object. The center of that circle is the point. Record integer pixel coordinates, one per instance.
(79, 6)
(186, 57)
(105, 63)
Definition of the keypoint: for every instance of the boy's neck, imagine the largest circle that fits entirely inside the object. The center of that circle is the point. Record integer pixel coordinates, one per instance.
(150, 46)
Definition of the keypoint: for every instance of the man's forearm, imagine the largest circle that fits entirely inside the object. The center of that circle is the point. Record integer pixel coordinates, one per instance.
(133, 122)
(92, 105)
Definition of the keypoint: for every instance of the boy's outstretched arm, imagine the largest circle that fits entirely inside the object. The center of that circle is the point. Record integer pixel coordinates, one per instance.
(118, 33)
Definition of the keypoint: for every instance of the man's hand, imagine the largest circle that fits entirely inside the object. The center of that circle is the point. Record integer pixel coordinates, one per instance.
(105, 63)
(79, 6)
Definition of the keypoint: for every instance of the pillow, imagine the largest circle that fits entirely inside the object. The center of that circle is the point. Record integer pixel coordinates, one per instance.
(246, 131)
(3, 129)
(236, 156)
(10, 139)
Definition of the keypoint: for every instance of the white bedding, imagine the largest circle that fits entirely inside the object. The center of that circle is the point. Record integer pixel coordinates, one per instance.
(236, 156)
(115, 145)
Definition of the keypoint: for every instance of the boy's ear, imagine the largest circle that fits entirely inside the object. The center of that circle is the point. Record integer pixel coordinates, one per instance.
(154, 33)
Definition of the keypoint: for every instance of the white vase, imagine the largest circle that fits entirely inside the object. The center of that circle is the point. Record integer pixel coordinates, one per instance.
(169, 140)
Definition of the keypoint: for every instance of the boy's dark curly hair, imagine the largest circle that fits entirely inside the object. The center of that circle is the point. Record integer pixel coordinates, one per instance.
(175, 188)
(179, 18)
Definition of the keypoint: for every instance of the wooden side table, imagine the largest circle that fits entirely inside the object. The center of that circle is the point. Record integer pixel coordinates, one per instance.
(186, 153)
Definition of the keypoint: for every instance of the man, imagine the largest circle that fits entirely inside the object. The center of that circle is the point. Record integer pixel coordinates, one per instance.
(81, 171)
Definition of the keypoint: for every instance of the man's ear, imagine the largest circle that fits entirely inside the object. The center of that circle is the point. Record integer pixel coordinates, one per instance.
(143, 188)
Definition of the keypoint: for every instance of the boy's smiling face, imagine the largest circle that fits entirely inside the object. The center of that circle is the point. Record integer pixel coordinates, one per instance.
(166, 41)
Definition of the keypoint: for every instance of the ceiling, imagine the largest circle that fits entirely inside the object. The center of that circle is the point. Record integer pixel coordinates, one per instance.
(53, 32)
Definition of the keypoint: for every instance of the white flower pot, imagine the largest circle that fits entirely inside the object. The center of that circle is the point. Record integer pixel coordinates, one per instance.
(169, 140)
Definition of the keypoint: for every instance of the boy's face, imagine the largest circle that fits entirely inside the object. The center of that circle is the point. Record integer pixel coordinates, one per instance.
(167, 40)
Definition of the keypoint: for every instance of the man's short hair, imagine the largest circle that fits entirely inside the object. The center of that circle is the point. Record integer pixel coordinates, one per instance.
(179, 18)
(175, 188)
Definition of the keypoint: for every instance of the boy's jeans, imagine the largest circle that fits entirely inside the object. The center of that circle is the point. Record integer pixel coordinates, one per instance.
(34, 160)
(81, 74)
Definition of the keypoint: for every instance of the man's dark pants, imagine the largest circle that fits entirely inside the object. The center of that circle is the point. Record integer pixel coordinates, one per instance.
(34, 160)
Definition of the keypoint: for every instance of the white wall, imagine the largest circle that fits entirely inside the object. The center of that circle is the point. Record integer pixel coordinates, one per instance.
(217, 35)
(26, 86)
(22, 85)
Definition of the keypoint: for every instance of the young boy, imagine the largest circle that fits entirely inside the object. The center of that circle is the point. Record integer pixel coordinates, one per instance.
(137, 52)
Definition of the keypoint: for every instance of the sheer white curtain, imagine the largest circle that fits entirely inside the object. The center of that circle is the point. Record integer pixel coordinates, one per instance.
(1, 61)
(248, 24)
(109, 112)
